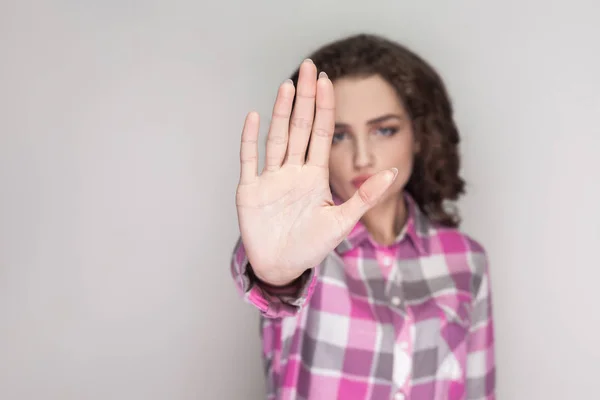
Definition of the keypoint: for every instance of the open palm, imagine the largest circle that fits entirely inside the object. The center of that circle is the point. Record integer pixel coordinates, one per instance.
(287, 219)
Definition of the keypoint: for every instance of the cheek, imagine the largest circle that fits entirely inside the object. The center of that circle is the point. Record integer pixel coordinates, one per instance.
(400, 155)
(340, 169)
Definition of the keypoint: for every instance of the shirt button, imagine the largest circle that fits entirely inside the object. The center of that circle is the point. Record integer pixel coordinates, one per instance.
(387, 261)
(396, 301)
(399, 396)
(403, 345)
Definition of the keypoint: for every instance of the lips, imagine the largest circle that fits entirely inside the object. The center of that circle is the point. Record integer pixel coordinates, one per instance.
(359, 180)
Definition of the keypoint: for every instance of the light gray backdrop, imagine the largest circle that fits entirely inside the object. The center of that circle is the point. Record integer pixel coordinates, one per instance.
(119, 130)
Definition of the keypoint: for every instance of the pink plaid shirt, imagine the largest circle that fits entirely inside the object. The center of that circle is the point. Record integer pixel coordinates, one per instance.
(408, 321)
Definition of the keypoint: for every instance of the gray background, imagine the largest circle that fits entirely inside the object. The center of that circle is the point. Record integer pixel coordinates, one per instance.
(119, 130)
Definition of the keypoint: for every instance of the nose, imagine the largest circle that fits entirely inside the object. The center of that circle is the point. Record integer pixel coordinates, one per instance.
(363, 154)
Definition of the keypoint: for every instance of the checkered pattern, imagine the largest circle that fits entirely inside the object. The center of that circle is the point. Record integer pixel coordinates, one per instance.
(408, 321)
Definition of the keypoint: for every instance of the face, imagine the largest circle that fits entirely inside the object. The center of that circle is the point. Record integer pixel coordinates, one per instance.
(373, 132)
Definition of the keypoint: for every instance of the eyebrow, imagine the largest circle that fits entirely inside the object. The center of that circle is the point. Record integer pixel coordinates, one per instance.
(377, 120)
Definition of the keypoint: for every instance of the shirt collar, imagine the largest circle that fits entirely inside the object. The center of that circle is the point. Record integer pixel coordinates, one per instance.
(416, 229)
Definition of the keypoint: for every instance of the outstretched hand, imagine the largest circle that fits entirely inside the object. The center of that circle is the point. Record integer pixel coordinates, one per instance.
(288, 221)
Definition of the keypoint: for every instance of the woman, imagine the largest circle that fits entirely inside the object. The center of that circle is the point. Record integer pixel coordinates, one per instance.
(366, 287)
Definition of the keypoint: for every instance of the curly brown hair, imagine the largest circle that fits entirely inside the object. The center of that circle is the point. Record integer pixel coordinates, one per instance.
(435, 179)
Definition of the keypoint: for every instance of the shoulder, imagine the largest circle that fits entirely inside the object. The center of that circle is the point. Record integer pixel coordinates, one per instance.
(454, 240)
(459, 247)
(465, 257)
(438, 239)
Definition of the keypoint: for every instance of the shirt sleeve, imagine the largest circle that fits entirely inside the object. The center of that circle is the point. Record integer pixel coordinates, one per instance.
(270, 331)
(273, 302)
(481, 366)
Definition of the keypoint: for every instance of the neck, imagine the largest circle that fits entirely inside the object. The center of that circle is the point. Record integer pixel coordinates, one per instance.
(385, 221)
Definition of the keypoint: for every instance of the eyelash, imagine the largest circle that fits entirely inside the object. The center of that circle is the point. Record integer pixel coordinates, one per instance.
(391, 131)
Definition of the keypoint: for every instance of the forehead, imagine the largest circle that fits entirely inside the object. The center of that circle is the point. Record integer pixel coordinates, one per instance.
(360, 99)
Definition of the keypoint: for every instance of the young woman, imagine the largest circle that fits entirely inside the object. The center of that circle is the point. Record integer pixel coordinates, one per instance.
(349, 248)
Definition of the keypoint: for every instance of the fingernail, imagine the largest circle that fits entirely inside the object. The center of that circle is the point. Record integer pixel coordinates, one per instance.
(322, 74)
(308, 60)
(395, 172)
(289, 81)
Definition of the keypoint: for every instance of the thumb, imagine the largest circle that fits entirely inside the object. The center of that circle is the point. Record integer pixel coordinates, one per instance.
(367, 195)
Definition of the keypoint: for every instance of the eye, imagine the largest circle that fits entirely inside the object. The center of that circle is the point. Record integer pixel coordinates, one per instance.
(387, 131)
(339, 136)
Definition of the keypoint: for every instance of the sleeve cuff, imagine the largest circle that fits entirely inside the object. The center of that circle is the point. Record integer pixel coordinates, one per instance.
(272, 301)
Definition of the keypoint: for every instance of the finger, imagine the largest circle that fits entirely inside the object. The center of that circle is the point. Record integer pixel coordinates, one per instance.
(277, 138)
(303, 114)
(367, 195)
(249, 149)
(322, 133)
